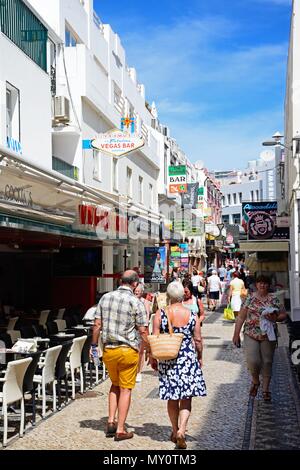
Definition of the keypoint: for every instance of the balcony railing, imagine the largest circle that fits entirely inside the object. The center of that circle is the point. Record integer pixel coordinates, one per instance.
(98, 22)
(65, 168)
(119, 103)
(144, 132)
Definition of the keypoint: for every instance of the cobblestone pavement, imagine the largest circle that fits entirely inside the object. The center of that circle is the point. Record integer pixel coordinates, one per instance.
(225, 419)
(276, 425)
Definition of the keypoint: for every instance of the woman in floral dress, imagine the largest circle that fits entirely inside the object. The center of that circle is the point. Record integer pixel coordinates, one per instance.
(180, 379)
(259, 347)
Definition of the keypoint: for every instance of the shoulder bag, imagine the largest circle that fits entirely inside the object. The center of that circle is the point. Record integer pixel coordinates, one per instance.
(165, 346)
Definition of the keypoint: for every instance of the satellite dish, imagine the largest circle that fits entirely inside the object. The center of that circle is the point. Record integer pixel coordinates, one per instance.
(267, 156)
(199, 164)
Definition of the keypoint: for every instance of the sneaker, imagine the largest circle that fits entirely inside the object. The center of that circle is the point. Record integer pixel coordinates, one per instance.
(138, 378)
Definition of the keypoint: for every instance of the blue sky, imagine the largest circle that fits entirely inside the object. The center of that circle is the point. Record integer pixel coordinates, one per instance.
(216, 70)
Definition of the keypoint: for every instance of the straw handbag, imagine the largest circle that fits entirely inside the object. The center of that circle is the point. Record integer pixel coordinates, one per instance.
(165, 346)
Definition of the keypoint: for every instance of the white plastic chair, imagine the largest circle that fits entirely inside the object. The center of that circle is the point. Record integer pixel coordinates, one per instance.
(75, 362)
(61, 324)
(60, 314)
(47, 376)
(44, 317)
(13, 391)
(14, 335)
(12, 323)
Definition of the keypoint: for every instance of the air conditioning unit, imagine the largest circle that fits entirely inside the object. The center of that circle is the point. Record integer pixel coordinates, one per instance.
(61, 109)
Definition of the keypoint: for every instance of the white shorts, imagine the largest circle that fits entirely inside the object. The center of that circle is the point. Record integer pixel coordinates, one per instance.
(236, 303)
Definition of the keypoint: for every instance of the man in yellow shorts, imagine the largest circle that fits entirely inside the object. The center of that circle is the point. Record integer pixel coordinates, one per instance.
(122, 319)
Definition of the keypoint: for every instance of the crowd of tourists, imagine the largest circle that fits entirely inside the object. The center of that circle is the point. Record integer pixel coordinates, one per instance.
(124, 316)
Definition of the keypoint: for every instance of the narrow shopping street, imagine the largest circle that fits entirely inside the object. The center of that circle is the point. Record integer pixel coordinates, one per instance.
(226, 419)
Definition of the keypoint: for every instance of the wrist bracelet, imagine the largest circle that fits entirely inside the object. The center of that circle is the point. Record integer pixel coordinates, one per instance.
(94, 345)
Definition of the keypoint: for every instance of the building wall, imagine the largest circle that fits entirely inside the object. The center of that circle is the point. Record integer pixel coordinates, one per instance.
(257, 183)
(35, 102)
(94, 66)
(292, 183)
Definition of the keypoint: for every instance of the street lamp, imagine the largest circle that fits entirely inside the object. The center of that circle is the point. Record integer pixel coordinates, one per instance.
(277, 141)
(273, 143)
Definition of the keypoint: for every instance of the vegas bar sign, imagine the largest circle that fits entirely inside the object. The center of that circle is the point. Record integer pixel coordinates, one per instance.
(117, 143)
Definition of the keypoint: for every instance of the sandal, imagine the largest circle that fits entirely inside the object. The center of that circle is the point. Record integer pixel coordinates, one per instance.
(267, 396)
(111, 430)
(180, 442)
(254, 389)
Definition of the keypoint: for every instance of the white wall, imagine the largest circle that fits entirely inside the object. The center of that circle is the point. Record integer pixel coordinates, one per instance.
(35, 102)
(292, 129)
(51, 15)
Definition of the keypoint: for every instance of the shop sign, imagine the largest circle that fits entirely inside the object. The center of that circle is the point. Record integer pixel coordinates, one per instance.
(107, 223)
(250, 208)
(261, 226)
(179, 256)
(190, 198)
(17, 195)
(177, 179)
(229, 239)
(201, 192)
(184, 255)
(155, 265)
(234, 231)
(14, 145)
(117, 143)
(259, 221)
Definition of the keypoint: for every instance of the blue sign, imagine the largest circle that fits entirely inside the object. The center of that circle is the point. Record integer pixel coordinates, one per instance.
(14, 145)
(86, 144)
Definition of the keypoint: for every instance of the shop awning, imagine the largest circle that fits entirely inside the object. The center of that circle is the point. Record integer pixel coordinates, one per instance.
(268, 245)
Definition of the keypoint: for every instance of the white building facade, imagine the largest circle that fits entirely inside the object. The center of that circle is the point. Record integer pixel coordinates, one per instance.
(100, 89)
(292, 155)
(255, 184)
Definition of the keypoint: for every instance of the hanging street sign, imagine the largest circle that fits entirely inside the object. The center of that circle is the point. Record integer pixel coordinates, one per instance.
(117, 143)
(177, 179)
(128, 122)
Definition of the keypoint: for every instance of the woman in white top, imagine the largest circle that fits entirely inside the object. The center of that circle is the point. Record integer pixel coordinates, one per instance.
(235, 293)
(214, 288)
(196, 279)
